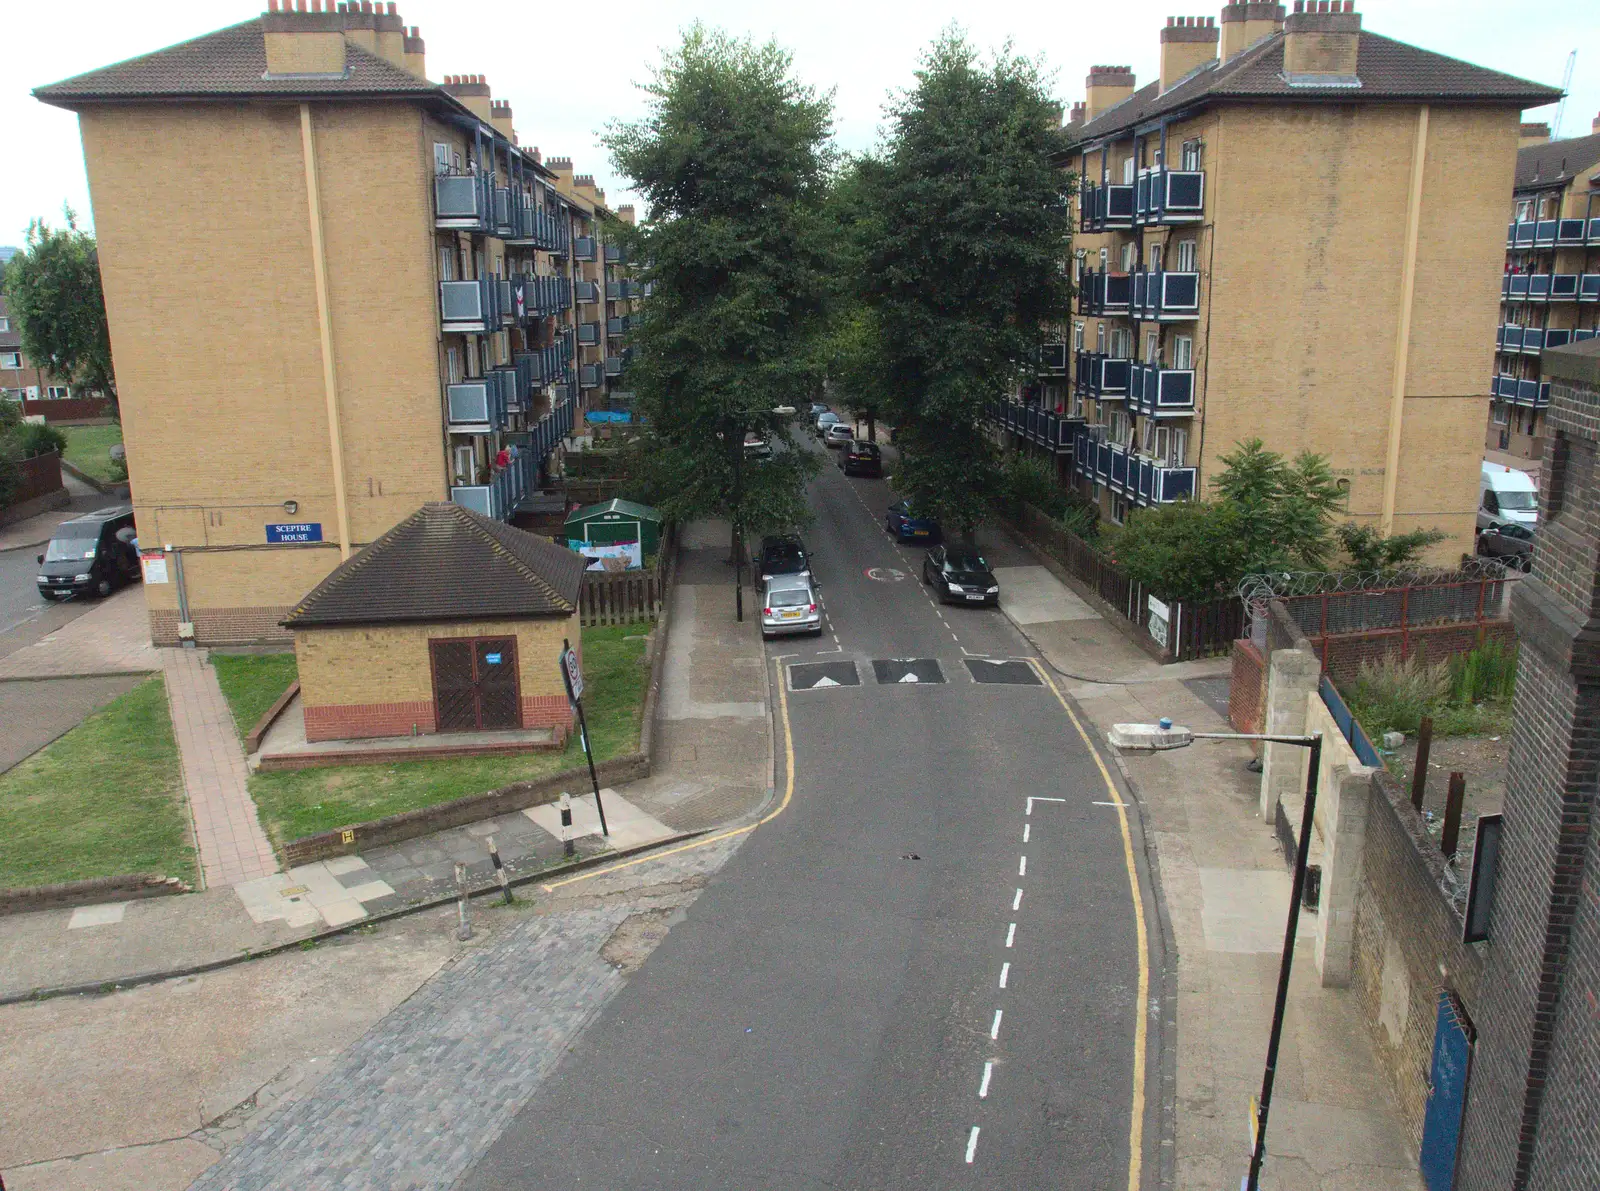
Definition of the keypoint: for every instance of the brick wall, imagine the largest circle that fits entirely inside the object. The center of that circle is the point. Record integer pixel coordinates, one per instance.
(41, 476)
(1407, 944)
(1247, 691)
(222, 626)
(1345, 654)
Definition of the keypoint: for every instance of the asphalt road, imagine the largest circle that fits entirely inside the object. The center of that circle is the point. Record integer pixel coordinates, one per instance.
(913, 976)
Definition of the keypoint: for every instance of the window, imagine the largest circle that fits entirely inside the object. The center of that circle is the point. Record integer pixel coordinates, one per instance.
(465, 471)
(57, 393)
(1152, 347)
(1501, 414)
(452, 366)
(1177, 447)
(5, 323)
(1077, 337)
(11, 360)
(1183, 351)
(1122, 343)
(1119, 510)
(1105, 255)
(441, 157)
(1194, 154)
(1524, 210)
(1153, 256)
(1127, 172)
(1186, 256)
(1100, 338)
(479, 275)
(1129, 255)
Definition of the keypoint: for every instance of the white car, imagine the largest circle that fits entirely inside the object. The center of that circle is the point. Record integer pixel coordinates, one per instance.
(824, 420)
(790, 605)
(838, 435)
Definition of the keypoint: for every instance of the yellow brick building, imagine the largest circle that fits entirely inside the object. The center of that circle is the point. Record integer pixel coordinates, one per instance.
(1293, 234)
(336, 290)
(1550, 292)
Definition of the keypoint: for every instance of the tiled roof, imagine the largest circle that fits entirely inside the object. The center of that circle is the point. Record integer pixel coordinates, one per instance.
(1389, 70)
(231, 61)
(1555, 160)
(445, 562)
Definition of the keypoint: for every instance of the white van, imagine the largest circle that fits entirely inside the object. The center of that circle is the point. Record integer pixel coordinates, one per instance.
(1506, 495)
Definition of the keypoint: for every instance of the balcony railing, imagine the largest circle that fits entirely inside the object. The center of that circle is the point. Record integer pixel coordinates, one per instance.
(621, 291)
(615, 254)
(462, 202)
(1163, 196)
(1103, 208)
(618, 326)
(1160, 295)
(1143, 480)
(590, 376)
(1531, 393)
(1161, 392)
(1552, 233)
(1533, 340)
(588, 334)
(469, 305)
(583, 248)
(1102, 292)
(475, 406)
(529, 223)
(1043, 426)
(616, 362)
(506, 488)
(507, 301)
(1103, 377)
(1052, 359)
(586, 291)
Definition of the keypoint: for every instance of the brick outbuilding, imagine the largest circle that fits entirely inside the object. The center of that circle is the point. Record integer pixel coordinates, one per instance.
(450, 622)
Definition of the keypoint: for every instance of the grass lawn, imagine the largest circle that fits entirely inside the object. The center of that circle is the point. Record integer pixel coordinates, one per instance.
(105, 800)
(87, 448)
(252, 683)
(300, 802)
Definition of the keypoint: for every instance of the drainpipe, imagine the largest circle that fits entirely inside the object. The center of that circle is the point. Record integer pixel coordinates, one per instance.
(319, 270)
(1402, 345)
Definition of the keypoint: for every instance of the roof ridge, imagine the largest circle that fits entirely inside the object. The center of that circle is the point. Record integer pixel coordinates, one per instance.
(501, 548)
(129, 61)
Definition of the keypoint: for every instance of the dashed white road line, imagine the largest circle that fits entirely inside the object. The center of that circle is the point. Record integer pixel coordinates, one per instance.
(1016, 902)
(1011, 934)
(1026, 828)
(1022, 867)
(983, 1088)
(994, 1030)
(1005, 974)
(1033, 798)
(972, 1144)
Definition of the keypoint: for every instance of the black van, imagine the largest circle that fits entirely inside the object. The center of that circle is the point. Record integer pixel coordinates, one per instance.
(94, 552)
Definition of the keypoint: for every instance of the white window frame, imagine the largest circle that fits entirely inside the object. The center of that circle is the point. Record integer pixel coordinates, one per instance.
(1524, 210)
(1500, 413)
(1194, 154)
(1130, 254)
(11, 361)
(1152, 347)
(1077, 337)
(1100, 338)
(57, 393)
(441, 157)
(1178, 447)
(452, 365)
(1153, 256)
(1188, 253)
(465, 464)
(447, 263)
(1105, 256)
(1121, 343)
(1183, 351)
(5, 323)
(1127, 170)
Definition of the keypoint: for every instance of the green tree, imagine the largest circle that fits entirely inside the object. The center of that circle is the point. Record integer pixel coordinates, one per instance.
(963, 263)
(53, 286)
(1183, 551)
(1369, 550)
(732, 158)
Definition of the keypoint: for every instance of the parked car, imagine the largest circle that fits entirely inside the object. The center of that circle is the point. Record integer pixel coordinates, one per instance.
(818, 408)
(756, 448)
(1511, 544)
(861, 458)
(790, 606)
(838, 435)
(905, 525)
(92, 553)
(825, 419)
(1506, 496)
(960, 574)
(783, 554)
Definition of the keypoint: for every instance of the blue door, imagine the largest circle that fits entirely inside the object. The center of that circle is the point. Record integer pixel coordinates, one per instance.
(1447, 1094)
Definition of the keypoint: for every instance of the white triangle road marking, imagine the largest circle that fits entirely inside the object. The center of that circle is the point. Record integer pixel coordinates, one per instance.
(824, 681)
(909, 677)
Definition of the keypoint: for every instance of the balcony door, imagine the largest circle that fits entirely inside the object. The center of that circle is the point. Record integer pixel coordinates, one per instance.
(475, 685)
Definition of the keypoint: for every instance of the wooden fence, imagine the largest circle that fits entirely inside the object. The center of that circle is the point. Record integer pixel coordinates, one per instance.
(628, 597)
(41, 476)
(1202, 628)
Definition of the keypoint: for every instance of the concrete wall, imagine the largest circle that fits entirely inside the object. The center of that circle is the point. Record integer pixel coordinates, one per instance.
(205, 253)
(377, 680)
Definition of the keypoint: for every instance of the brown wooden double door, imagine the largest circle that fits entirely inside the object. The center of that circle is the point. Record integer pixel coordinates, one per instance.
(475, 685)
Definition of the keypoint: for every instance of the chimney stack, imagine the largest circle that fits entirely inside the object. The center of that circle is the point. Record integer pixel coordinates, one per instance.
(1532, 134)
(627, 214)
(301, 42)
(1245, 23)
(416, 53)
(1076, 119)
(472, 91)
(1187, 43)
(1322, 38)
(500, 117)
(1105, 87)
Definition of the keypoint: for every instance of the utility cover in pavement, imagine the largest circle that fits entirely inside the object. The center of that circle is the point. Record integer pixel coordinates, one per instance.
(1002, 670)
(907, 670)
(811, 676)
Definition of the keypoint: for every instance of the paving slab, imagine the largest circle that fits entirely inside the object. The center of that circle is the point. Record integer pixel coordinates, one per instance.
(629, 826)
(112, 638)
(1032, 595)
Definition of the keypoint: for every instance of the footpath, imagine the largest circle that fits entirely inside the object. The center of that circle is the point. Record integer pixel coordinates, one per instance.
(1225, 888)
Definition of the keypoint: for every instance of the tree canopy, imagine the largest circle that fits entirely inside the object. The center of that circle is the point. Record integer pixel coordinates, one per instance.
(963, 238)
(53, 287)
(732, 158)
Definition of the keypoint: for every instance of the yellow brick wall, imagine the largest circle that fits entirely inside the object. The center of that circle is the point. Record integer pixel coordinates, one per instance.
(390, 663)
(205, 255)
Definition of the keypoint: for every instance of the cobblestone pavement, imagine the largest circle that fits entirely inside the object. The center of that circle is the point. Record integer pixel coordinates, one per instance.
(411, 1104)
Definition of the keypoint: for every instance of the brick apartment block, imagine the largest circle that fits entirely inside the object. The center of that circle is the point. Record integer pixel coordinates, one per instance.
(1294, 233)
(336, 290)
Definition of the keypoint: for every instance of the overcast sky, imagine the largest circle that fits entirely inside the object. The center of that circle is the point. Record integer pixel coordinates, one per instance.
(567, 70)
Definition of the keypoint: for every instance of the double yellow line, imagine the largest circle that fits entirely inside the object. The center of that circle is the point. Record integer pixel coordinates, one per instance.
(1141, 1028)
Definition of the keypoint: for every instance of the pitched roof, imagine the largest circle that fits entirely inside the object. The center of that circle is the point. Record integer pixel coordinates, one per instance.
(1556, 160)
(616, 505)
(231, 61)
(1389, 71)
(445, 562)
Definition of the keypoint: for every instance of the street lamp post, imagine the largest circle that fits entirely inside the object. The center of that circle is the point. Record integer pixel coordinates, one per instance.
(738, 510)
(1164, 735)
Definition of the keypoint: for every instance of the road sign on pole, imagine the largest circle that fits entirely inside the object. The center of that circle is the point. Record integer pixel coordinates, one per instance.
(573, 677)
(571, 672)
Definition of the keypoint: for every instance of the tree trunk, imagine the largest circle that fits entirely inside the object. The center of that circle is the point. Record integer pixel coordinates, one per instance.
(872, 426)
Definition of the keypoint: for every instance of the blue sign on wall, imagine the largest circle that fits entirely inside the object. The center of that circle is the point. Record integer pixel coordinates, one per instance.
(304, 531)
(492, 659)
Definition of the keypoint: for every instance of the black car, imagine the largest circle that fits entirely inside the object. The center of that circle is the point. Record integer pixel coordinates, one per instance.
(960, 574)
(861, 458)
(1510, 543)
(91, 553)
(783, 554)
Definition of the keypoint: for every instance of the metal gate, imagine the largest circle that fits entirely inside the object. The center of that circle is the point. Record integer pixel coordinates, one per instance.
(475, 684)
(1447, 1094)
